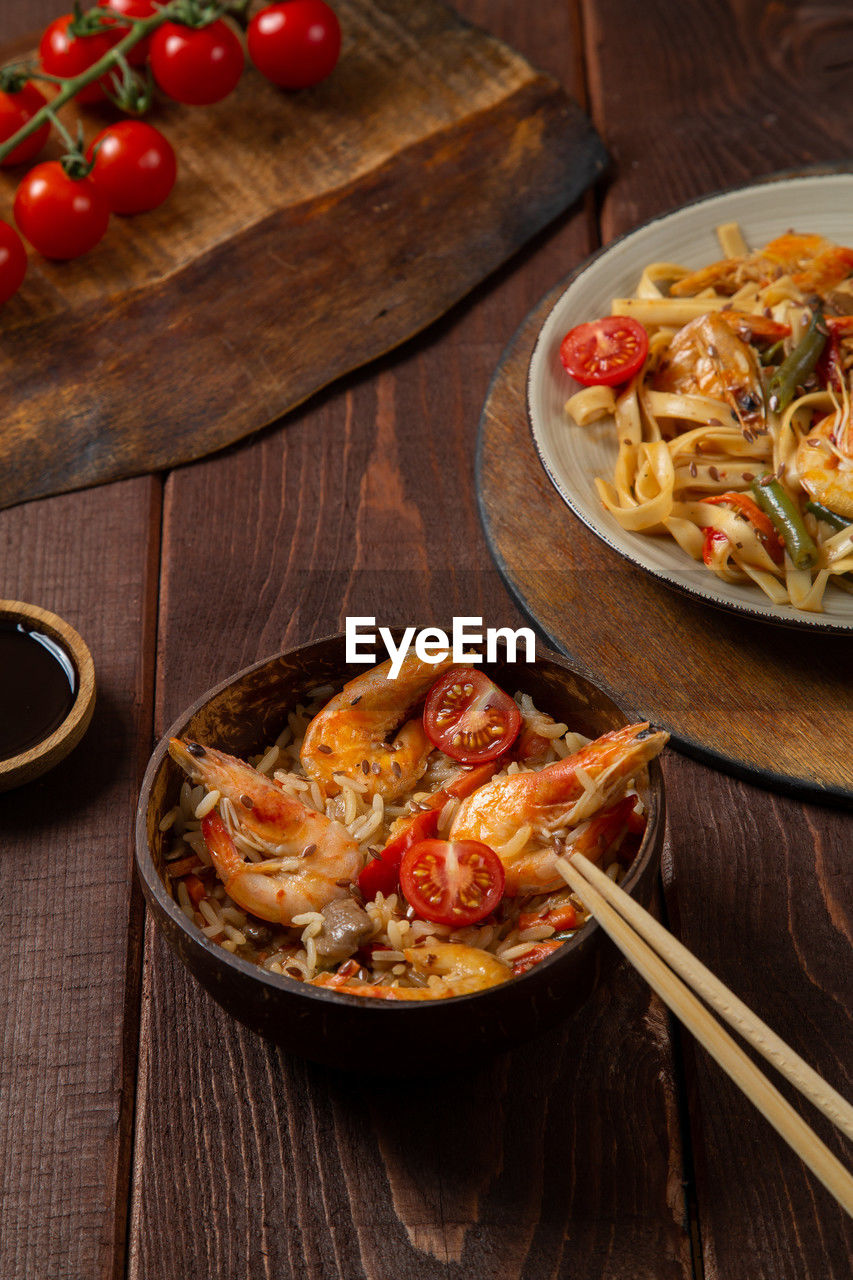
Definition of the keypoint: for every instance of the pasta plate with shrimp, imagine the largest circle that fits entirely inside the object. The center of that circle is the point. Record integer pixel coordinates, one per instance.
(734, 432)
(671, 485)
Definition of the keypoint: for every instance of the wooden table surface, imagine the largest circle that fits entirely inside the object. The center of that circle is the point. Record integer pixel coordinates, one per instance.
(143, 1132)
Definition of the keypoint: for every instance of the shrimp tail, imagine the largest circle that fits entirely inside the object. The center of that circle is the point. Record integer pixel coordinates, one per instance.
(260, 805)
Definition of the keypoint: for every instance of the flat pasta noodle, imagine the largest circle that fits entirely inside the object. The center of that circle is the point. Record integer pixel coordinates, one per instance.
(699, 444)
(591, 404)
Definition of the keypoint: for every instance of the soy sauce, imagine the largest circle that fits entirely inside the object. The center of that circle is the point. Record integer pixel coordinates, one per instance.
(38, 684)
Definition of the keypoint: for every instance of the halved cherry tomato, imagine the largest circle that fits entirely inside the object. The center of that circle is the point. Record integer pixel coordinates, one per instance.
(762, 524)
(455, 882)
(13, 261)
(62, 53)
(382, 874)
(468, 717)
(134, 166)
(602, 353)
(16, 109)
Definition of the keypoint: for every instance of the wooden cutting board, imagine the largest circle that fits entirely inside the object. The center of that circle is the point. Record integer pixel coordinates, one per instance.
(767, 702)
(308, 233)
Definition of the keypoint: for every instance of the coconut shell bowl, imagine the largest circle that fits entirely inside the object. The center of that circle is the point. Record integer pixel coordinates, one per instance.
(247, 712)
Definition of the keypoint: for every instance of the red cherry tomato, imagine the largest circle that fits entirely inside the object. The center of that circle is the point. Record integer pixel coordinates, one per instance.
(468, 717)
(61, 53)
(132, 9)
(196, 66)
(135, 167)
(61, 217)
(455, 882)
(295, 43)
(605, 352)
(16, 109)
(381, 874)
(13, 261)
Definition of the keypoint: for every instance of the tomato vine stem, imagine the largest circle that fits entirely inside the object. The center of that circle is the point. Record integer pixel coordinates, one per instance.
(175, 10)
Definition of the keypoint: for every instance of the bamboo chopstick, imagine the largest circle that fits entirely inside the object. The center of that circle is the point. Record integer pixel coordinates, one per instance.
(725, 1002)
(617, 914)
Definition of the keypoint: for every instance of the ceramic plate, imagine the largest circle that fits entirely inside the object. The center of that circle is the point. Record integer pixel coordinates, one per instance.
(574, 456)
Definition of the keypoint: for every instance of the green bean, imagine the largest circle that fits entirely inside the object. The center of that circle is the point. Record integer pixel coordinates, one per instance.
(787, 521)
(832, 518)
(797, 368)
(772, 354)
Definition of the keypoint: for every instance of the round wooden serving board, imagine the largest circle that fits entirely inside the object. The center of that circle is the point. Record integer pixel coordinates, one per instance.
(770, 703)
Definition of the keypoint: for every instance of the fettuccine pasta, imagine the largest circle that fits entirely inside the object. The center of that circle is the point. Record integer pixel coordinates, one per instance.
(735, 436)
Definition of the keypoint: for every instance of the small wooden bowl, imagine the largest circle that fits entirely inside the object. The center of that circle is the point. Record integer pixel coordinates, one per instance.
(247, 712)
(45, 754)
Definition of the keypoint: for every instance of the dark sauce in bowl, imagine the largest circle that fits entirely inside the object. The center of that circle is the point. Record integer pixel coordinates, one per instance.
(38, 684)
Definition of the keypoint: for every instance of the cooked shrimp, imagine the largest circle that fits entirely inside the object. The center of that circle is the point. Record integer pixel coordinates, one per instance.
(813, 263)
(548, 800)
(708, 358)
(463, 970)
(350, 735)
(825, 464)
(314, 858)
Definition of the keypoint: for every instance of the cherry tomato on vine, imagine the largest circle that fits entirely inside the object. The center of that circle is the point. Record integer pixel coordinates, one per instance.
(16, 109)
(468, 717)
(61, 217)
(196, 65)
(61, 53)
(295, 43)
(134, 166)
(455, 882)
(13, 261)
(138, 55)
(602, 353)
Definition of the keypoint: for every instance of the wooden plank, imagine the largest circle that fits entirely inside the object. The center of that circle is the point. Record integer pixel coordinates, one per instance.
(559, 571)
(531, 1166)
(758, 886)
(527, 1166)
(71, 972)
(308, 234)
(769, 913)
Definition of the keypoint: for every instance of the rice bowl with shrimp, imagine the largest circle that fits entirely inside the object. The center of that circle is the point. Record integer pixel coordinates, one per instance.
(356, 855)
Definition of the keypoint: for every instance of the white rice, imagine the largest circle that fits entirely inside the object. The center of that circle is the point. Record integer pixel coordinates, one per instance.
(267, 761)
(210, 801)
(168, 819)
